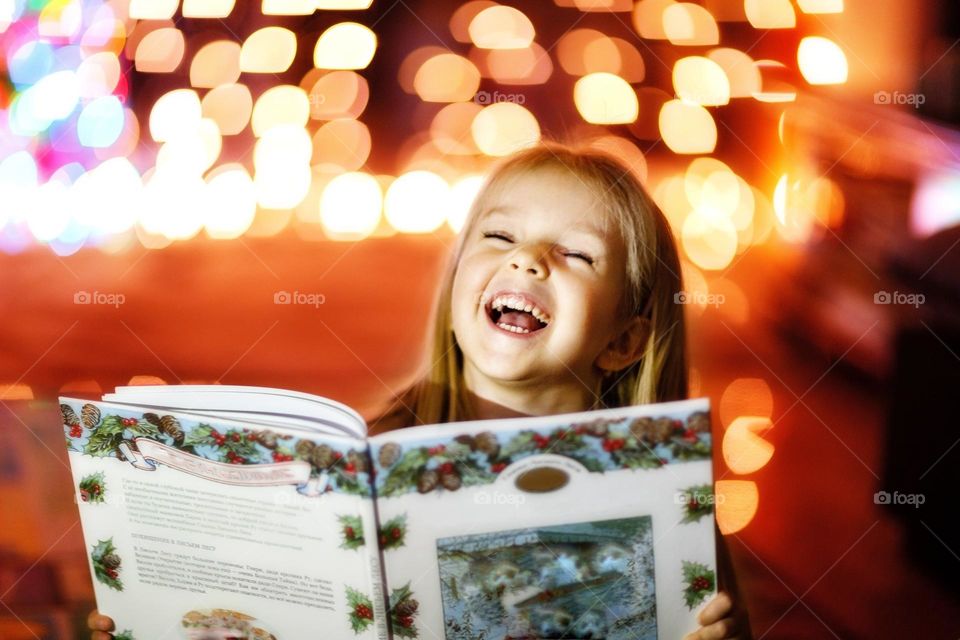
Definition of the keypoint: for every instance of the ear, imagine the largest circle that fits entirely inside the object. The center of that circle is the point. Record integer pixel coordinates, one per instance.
(626, 347)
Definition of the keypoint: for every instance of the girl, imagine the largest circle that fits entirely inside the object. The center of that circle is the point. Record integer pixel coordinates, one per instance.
(559, 298)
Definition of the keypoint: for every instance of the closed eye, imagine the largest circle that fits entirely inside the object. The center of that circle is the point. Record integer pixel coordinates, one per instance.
(580, 256)
(499, 235)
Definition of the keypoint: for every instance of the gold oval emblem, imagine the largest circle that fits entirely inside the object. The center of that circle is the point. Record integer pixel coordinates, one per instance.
(542, 480)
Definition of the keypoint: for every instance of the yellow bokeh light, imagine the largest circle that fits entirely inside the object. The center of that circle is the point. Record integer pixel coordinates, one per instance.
(216, 63)
(230, 106)
(351, 204)
(737, 502)
(231, 202)
(341, 145)
(709, 240)
(152, 9)
(349, 5)
(648, 18)
(701, 81)
(173, 112)
(347, 45)
(604, 98)
(770, 14)
(98, 74)
(192, 150)
(572, 47)
(462, 194)
(411, 65)
(160, 52)
(447, 77)
(625, 151)
(465, 13)
(742, 75)
(744, 450)
(280, 105)
(502, 128)
(287, 7)
(746, 397)
(207, 8)
(820, 6)
(450, 129)
(795, 220)
(688, 24)
(281, 160)
(822, 61)
(697, 173)
(514, 66)
(172, 205)
(501, 27)
(338, 94)
(687, 128)
(417, 202)
(268, 50)
(60, 19)
(774, 83)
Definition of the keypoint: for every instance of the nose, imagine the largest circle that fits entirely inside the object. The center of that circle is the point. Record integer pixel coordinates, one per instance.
(530, 259)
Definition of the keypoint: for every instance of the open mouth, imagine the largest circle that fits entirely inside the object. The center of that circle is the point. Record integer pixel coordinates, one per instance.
(517, 314)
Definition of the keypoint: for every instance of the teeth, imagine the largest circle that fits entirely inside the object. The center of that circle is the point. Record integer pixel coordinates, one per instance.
(519, 304)
(511, 328)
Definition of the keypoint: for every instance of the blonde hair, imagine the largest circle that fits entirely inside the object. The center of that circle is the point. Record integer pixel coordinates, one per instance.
(652, 279)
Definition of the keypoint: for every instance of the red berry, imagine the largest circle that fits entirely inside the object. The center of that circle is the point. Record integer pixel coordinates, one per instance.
(112, 573)
(350, 467)
(349, 532)
(251, 437)
(395, 533)
(337, 455)
(446, 467)
(235, 437)
(497, 467)
(405, 621)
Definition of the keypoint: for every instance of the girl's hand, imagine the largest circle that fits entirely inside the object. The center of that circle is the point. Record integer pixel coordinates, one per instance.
(719, 620)
(101, 626)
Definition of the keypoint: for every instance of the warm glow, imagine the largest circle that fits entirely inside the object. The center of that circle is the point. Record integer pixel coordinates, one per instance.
(231, 202)
(175, 111)
(462, 194)
(687, 128)
(648, 18)
(350, 206)
(604, 98)
(215, 64)
(230, 106)
(192, 150)
(501, 27)
(51, 211)
(60, 19)
(744, 450)
(417, 202)
(172, 205)
(774, 82)
(342, 4)
(465, 13)
(280, 105)
(500, 129)
(821, 6)
(625, 151)
(268, 50)
(207, 8)
(161, 51)
(790, 204)
(98, 75)
(15, 391)
(742, 74)
(514, 66)
(152, 9)
(689, 24)
(347, 45)
(287, 7)
(708, 239)
(447, 77)
(450, 129)
(822, 61)
(341, 145)
(770, 14)
(338, 94)
(411, 65)
(746, 397)
(145, 380)
(281, 159)
(737, 502)
(701, 81)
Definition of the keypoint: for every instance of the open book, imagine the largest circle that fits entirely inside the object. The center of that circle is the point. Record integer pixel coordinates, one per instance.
(241, 512)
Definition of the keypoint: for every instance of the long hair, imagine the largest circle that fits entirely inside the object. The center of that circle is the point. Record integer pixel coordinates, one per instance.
(653, 278)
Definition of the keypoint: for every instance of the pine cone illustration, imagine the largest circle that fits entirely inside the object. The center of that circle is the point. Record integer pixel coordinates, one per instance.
(596, 428)
(152, 418)
(111, 561)
(699, 422)
(428, 481)
(69, 415)
(642, 429)
(450, 481)
(90, 416)
(407, 607)
(358, 461)
(389, 453)
(487, 443)
(267, 439)
(662, 429)
(322, 457)
(171, 426)
(304, 449)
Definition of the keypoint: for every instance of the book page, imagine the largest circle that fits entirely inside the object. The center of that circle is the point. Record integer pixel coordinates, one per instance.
(590, 525)
(197, 528)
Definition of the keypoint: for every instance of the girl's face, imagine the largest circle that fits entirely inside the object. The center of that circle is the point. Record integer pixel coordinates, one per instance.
(538, 286)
